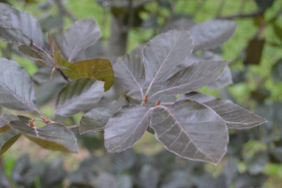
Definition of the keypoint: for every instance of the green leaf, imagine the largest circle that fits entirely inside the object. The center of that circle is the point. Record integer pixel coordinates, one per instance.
(5, 120)
(79, 95)
(57, 55)
(16, 88)
(99, 69)
(7, 139)
(54, 136)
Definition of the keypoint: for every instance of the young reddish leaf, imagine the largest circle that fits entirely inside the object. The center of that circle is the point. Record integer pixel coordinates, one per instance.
(211, 34)
(57, 55)
(95, 120)
(7, 139)
(191, 130)
(130, 72)
(126, 127)
(99, 69)
(53, 136)
(164, 52)
(79, 36)
(5, 120)
(193, 77)
(234, 116)
(16, 87)
(79, 95)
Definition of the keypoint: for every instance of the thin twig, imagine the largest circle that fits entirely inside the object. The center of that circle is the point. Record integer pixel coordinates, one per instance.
(64, 10)
(63, 74)
(73, 126)
(220, 8)
(141, 3)
(249, 15)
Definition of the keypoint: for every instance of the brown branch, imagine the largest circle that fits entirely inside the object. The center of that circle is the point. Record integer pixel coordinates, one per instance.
(64, 10)
(64, 75)
(249, 15)
(141, 3)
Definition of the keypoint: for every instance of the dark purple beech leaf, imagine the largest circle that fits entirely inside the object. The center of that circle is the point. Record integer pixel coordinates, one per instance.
(95, 120)
(129, 72)
(39, 56)
(53, 136)
(211, 34)
(56, 54)
(126, 127)
(7, 139)
(16, 87)
(164, 52)
(223, 80)
(79, 95)
(138, 50)
(99, 69)
(191, 130)
(18, 20)
(79, 36)
(43, 75)
(234, 116)
(5, 120)
(193, 77)
(136, 95)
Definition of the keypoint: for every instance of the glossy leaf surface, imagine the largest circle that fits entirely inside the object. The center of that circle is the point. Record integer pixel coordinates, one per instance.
(79, 36)
(79, 95)
(53, 136)
(126, 127)
(99, 69)
(16, 87)
(234, 116)
(191, 130)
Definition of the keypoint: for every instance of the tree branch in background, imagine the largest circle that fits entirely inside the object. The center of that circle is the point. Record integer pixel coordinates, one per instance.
(249, 15)
(220, 8)
(141, 3)
(64, 10)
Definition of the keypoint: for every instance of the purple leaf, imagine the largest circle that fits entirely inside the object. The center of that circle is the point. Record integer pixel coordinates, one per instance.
(234, 116)
(191, 130)
(126, 127)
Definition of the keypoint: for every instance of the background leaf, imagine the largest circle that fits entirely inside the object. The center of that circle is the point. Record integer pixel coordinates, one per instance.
(191, 130)
(79, 95)
(5, 120)
(16, 88)
(211, 34)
